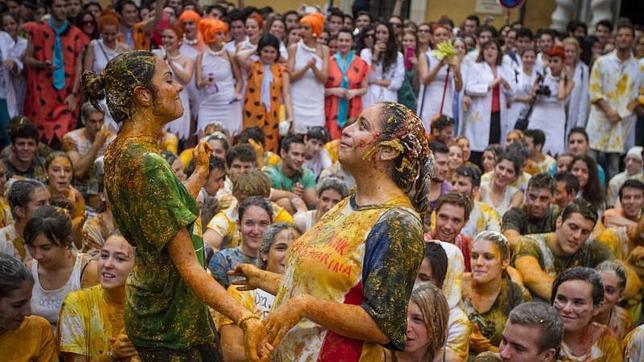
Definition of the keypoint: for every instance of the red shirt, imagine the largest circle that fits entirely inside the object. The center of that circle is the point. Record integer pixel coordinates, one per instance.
(496, 98)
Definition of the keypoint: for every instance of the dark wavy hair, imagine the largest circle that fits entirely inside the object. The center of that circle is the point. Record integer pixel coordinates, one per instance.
(593, 191)
(390, 56)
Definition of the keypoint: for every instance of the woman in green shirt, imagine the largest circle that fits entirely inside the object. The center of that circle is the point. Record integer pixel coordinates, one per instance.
(165, 314)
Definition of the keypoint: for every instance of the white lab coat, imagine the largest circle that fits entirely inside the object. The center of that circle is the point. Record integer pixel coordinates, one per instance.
(431, 95)
(522, 87)
(10, 49)
(395, 73)
(579, 99)
(476, 122)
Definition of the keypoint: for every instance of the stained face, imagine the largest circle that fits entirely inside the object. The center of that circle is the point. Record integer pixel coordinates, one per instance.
(39, 197)
(60, 173)
(115, 262)
(167, 100)
(572, 233)
(573, 300)
(487, 263)
(358, 137)
(561, 197)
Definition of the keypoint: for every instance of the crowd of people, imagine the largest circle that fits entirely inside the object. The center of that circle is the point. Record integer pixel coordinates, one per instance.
(353, 188)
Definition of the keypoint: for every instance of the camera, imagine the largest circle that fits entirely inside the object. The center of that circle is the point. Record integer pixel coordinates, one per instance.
(543, 90)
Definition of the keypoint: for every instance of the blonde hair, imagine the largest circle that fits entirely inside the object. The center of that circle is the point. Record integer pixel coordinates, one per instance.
(433, 306)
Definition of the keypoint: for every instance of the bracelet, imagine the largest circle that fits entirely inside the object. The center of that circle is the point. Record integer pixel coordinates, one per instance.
(243, 320)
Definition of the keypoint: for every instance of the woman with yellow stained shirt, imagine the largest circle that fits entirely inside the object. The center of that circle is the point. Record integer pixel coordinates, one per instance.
(60, 173)
(90, 326)
(348, 278)
(5, 210)
(488, 292)
(276, 241)
(222, 231)
(23, 337)
(577, 294)
(611, 315)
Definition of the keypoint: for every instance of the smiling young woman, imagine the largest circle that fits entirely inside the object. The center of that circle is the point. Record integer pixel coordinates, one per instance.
(167, 316)
(372, 243)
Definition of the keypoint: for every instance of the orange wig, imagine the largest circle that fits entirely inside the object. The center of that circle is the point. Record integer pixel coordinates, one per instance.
(107, 17)
(315, 21)
(210, 27)
(189, 15)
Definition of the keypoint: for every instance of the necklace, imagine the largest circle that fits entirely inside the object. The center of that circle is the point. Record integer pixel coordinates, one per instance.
(190, 42)
(175, 57)
(216, 53)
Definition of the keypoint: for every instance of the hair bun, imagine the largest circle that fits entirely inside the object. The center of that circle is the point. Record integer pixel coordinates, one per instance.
(93, 86)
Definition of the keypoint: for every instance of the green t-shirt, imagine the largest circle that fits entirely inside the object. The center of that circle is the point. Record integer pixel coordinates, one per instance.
(150, 207)
(590, 254)
(282, 182)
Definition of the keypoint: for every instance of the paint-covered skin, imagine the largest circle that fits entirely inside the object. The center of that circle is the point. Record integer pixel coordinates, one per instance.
(150, 206)
(362, 255)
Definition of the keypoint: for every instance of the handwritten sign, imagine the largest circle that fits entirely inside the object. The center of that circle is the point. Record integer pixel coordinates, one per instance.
(488, 7)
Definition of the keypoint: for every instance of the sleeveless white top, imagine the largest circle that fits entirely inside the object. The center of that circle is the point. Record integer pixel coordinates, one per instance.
(47, 303)
(307, 93)
(217, 106)
(102, 55)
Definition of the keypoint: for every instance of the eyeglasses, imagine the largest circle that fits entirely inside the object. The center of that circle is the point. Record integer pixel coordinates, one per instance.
(396, 25)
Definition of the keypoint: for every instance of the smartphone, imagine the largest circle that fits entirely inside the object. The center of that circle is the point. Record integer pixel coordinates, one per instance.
(409, 54)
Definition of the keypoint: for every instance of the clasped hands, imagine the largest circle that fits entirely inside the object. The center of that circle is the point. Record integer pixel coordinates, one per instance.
(262, 336)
